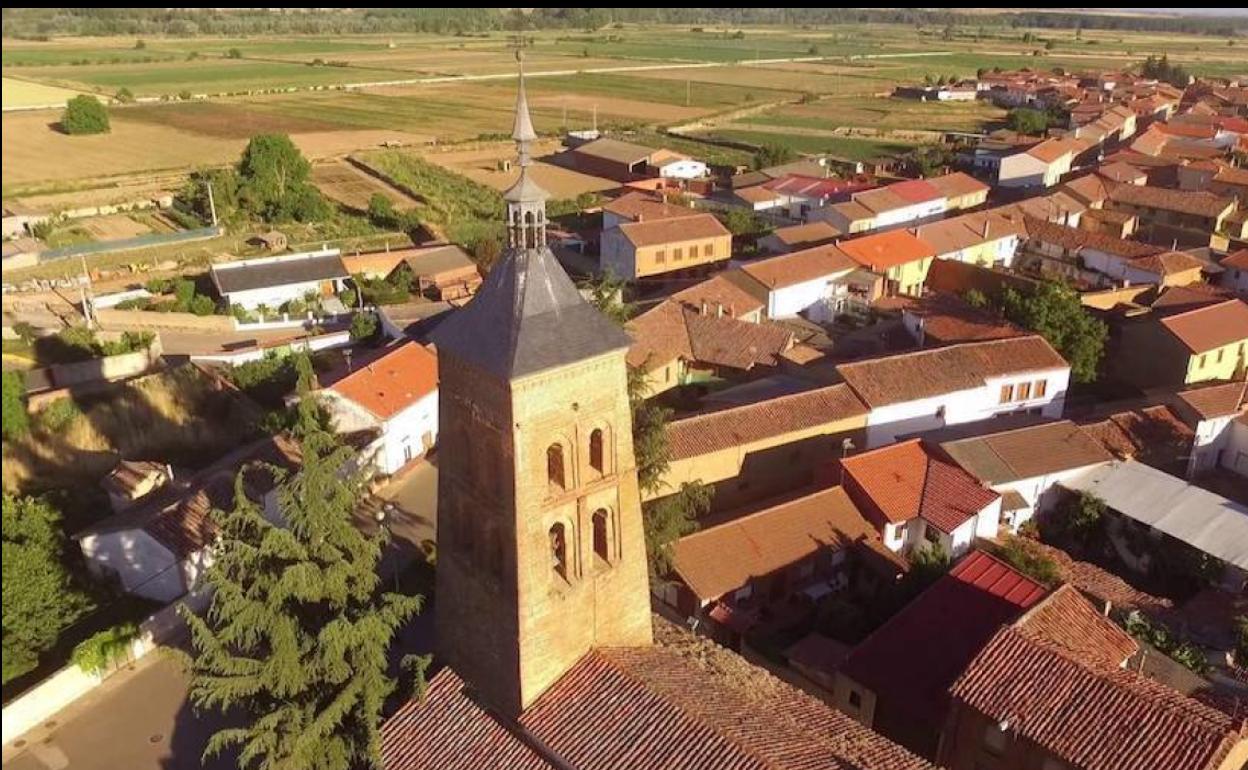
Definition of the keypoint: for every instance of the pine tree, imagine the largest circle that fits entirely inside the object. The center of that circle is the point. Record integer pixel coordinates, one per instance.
(298, 631)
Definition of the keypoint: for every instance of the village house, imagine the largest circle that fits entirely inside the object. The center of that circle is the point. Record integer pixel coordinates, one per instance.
(1235, 271)
(393, 395)
(1214, 412)
(820, 282)
(898, 255)
(1043, 165)
(642, 248)
(804, 549)
(443, 273)
(1190, 217)
(926, 389)
(897, 681)
(943, 319)
(274, 281)
(982, 238)
(1103, 259)
(753, 451)
(798, 194)
(1209, 342)
(916, 500)
(1153, 434)
(782, 240)
(913, 200)
(1026, 464)
(1069, 686)
(676, 345)
(638, 206)
(159, 547)
(612, 159)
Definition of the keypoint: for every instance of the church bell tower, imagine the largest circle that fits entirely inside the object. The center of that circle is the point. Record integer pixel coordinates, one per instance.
(541, 553)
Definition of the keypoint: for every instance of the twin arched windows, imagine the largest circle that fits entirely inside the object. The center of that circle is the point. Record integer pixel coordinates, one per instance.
(557, 475)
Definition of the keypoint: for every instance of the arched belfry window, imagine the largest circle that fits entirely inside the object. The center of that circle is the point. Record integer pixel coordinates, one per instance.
(597, 451)
(602, 534)
(559, 550)
(555, 468)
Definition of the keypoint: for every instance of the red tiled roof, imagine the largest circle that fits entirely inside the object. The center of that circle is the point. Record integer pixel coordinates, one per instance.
(689, 228)
(927, 373)
(905, 481)
(1236, 259)
(771, 540)
(957, 185)
(1183, 201)
(673, 330)
(1153, 431)
(639, 205)
(881, 251)
(1210, 401)
(741, 425)
(910, 661)
(1168, 263)
(725, 289)
(799, 266)
(682, 704)
(1074, 239)
(756, 194)
(1069, 704)
(392, 382)
(915, 190)
(1211, 326)
(811, 233)
(947, 319)
(1103, 586)
(1065, 618)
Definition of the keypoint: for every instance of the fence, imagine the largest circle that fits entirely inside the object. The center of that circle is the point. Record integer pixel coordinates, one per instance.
(71, 683)
(124, 244)
(311, 344)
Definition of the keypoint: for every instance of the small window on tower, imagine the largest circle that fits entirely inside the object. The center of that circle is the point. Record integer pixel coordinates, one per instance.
(559, 550)
(600, 534)
(596, 451)
(555, 468)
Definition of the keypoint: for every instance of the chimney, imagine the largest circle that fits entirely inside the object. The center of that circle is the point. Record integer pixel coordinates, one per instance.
(732, 310)
(987, 227)
(702, 310)
(640, 217)
(719, 310)
(168, 472)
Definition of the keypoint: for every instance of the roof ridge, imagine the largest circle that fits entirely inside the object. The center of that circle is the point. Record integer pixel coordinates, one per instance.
(757, 404)
(770, 509)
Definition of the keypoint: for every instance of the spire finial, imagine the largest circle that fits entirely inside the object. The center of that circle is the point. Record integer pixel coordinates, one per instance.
(522, 131)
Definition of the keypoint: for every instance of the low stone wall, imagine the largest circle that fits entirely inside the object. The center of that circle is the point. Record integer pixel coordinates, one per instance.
(111, 318)
(107, 369)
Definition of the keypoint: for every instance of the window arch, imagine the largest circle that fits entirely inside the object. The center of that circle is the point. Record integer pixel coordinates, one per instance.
(597, 451)
(602, 534)
(559, 549)
(556, 469)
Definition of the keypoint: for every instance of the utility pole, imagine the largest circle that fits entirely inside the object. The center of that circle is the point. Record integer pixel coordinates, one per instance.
(212, 203)
(87, 294)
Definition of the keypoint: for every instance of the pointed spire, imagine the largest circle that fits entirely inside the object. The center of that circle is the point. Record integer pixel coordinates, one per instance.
(522, 131)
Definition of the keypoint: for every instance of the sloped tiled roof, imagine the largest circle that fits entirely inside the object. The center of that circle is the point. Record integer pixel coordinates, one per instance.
(1210, 401)
(748, 423)
(614, 150)
(673, 330)
(927, 373)
(1154, 433)
(770, 540)
(881, 251)
(682, 704)
(905, 481)
(642, 205)
(1211, 326)
(391, 382)
(810, 233)
(729, 289)
(688, 228)
(957, 185)
(1182, 201)
(1025, 453)
(799, 266)
(911, 661)
(1065, 618)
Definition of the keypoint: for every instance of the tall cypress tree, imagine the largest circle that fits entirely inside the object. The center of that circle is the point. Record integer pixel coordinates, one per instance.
(298, 631)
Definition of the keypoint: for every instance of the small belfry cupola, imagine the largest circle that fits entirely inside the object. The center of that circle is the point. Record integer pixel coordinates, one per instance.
(526, 200)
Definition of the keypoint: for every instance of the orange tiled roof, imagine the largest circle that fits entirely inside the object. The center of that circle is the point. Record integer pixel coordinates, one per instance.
(690, 228)
(741, 425)
(725, 289)
(927, 373)
(1182, 201)
(905, 481)
(389, 384)
(1211, 326)
(1210, 401)
(799, 266)
(672, 331)
(770, 540)
(957, 185)
(640, 205)
(881, 251)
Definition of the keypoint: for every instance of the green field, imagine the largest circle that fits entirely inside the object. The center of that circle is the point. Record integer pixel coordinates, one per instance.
(840, 147)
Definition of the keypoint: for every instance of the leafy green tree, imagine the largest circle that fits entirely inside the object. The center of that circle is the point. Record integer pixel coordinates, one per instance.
(976, 298)
(16, 419)
(364, 327)
(607, 294)
(1026, 556)
(1055, 312)
(1027, 121)
(85, 115)
(123, 96)
(670, 518)
(381, 210)
(773, 154)
(928, 159)
(40, 597)
(299, 627)
(234, 53)
(275, 182)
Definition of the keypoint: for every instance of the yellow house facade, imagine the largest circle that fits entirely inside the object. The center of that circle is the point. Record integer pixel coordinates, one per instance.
(1220, 363)
(638, 249)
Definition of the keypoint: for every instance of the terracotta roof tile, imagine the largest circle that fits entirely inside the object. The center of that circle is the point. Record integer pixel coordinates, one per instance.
(881, 251)
(690, 228)
(905, 481)
(1209, 327)
(809, 234)
(641, 205)
(1025, 453)
(799, 266)
(1074, 239)
(391, 382)
(742, 425)
(614, 150)
(957, 185)
(769, 540)
(1236, 259)
(1153, 433)
(1183, 201)
(927, 373)
(1065, 618)
(1210, 401)
(726, 289)
(1101, 585)
(673, 330)
(757, 194)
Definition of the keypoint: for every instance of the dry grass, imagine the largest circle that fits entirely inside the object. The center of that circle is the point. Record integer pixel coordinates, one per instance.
(352, 187)
(23, 93)
(180, 416)
(483, 165)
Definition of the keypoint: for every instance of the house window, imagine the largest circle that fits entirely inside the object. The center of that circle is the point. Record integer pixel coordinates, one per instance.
(660, 256)
(554, 467)
(1220, 352)
(940, 412)
(1007, 394)
(995, 739)
(1041, 387)
(1201, 365)
(678, 254)
(855, 699)
(708, 250)
(600, 534)
(1024, 391)
(596, 451)
(559, 550)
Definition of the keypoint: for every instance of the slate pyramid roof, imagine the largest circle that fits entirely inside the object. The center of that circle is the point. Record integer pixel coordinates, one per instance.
(527, 317)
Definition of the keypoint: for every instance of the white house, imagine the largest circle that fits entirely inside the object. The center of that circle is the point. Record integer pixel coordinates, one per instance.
(683, 168)
(1042, 165)
(1216, 414)
(394, 395)
(1026, 464)
(1235, 271)
(274, 281)
(159, 547)
(917, 500)
(927, 389)
(811, 280)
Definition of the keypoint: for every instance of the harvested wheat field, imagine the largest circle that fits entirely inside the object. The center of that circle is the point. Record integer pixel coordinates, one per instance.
(23, 93)
(181, 416)
(484, 165)
(342, 182)
(114, 227)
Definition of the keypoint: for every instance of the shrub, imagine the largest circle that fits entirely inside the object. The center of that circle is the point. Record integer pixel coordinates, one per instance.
(104, 650)
(138, 303)
(123, 96)
(184, 291)
(234, 53)
(364, 327)
(57, 416)
(202, 305)
(85, 115)
(158, 285)
(348, 298)
(1026, 557)
(16, 421)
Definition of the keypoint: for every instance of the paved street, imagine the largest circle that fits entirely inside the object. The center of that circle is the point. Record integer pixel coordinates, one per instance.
(140, 719)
